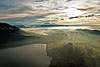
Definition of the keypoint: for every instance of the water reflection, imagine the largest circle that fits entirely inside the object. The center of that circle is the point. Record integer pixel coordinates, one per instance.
(91, 27)
(72, 27)
(33, 55)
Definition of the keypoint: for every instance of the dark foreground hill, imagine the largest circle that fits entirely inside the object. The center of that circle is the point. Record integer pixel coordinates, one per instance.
(8, 32)
(7, 28)
(11, 36)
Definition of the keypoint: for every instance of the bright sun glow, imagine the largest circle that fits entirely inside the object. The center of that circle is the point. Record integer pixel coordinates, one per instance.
(72, 12)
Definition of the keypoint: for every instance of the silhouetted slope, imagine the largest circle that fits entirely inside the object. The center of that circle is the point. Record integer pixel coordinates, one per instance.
(6, 27)
(11, 36)
(8, 32)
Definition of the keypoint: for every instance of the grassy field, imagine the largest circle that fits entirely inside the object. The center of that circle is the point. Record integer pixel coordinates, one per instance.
(74, 48)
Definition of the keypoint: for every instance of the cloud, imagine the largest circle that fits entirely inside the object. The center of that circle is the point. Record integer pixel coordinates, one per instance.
(30, 8)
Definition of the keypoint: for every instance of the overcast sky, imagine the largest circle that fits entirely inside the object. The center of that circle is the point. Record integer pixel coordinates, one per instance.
(31, 8)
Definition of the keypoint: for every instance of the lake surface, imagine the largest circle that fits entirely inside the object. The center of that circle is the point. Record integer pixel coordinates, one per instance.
(33, 55)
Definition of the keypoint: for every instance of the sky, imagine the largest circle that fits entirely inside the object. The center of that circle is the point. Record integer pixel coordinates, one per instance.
(35, 11)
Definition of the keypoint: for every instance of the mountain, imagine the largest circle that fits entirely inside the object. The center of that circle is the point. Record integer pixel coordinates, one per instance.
(9, 33)
(7, 28)
(11, 36)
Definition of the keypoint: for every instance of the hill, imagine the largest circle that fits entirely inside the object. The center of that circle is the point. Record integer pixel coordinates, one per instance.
(11, 36)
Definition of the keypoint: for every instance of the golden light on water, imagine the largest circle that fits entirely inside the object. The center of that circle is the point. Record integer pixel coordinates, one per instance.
(72, 27)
